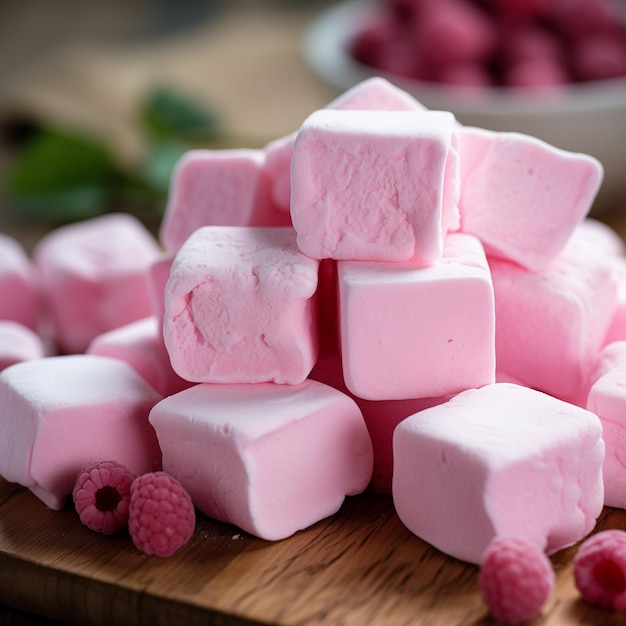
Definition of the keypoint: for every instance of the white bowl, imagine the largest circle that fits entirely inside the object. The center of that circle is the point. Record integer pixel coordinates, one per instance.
(589, 118)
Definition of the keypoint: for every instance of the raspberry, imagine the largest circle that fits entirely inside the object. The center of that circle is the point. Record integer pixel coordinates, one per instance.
(162, 517)
(516, 579)
(600, 569)
(102, 495)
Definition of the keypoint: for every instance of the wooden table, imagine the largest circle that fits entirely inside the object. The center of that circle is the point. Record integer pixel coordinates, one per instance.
(359, 567)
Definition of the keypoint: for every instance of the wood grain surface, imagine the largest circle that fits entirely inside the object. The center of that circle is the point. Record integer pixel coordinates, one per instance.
(359, 567)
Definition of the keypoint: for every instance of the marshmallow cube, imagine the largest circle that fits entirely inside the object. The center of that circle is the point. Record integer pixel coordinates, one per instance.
(270, 459)
(602, 235)
(522, 197)
(218, 188)
(617, 328)
(158, 275)
(412, 331)
(374, 93)
(374, 185)
(607, 399)
(59, 414)
(240, 307)
(19, 284)
(95, 277)
(19, 343)
(140, 344)
(502, 460)
(551, 324)
(381, 418)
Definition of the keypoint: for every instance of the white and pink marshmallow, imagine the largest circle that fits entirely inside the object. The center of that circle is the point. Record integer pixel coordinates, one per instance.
(270, 459)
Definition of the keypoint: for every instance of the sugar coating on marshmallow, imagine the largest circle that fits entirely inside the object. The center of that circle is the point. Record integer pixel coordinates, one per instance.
(60, 414)
(418, 331)
(240, 307)
(551, 324)
(502, 460)
(271, 459)
(521, 196)
(140, 344)
(19, 343)
(374, 185)
(95, 276)
(18, 277)
(221, 188)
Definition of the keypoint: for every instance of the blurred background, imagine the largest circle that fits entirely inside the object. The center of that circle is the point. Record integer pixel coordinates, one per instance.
(99, 99)
(137, 82)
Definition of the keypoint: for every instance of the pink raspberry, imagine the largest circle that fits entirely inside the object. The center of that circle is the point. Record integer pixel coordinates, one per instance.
(162, 517)
(102, 495)
(516, 579)
(600, 569)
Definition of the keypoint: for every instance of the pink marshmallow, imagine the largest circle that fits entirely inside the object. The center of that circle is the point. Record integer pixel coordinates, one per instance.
(521, 196)
(403, 333)
(95, 276)
(158, 276)
(617, 328)
(607, 399)
(599, 234)
(503, 460)
(611, 357)
(551, 324)
(60, 414)
(19, 284)
(271, 459)
(381, 418)
(141, 345)
(19, 343)
(374, 185)
(221, 188)
(240, 307)
(278, 154)
(374, 94)
(327, 291)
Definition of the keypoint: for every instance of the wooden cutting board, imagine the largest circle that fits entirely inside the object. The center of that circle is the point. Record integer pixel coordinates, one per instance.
(360, 567)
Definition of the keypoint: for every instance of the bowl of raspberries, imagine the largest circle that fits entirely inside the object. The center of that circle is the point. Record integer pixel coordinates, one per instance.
(554, 69)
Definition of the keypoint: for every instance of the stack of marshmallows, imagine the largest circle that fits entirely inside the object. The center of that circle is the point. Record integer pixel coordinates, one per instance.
(385, 298)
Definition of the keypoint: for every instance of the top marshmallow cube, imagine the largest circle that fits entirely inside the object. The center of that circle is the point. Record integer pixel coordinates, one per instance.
(375, 185)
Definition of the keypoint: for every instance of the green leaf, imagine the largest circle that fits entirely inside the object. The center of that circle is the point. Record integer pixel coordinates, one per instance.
(56, 160)
(61, 176)
(161, 158)
(64, 206)
(167, 113)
